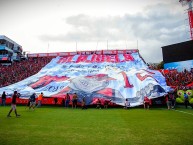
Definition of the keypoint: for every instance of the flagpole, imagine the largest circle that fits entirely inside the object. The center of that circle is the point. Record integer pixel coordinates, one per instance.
(76, 46)
(137, 44)
(126, 44)
(97, 45)
(107, 44)
(48, 47)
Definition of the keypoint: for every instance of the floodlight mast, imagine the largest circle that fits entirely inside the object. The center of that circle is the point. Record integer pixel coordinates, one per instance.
(190, 14)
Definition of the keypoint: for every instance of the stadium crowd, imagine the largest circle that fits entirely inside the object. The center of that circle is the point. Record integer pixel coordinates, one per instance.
(179, 80)
(21, 70)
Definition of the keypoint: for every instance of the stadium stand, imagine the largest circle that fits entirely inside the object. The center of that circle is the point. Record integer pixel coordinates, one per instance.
(179, 80)
(21, 70)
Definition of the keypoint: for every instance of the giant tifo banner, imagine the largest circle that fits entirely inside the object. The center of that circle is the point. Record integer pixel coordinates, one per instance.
(108, 77)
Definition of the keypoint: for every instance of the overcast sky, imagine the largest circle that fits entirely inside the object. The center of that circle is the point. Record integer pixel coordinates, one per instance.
(56, 25)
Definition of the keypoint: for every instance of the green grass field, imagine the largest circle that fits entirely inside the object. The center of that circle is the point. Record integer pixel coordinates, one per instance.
(115, 126)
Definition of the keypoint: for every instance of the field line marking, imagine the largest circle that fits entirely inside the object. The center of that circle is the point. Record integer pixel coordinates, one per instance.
(183, 112)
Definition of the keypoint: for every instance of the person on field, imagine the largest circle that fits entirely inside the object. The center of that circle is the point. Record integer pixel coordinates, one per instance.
(40, 97)
(169, 97)
(186, 100)
(127, 104)
(3, 97)
(55, 101)
(13, 104)
(32, 101)
(67, 101)
(98, 103)
(146, 102)
(172, 100)
(84, 103)
(106, 103)
(74, 100)
(63, 102)
(28, 104)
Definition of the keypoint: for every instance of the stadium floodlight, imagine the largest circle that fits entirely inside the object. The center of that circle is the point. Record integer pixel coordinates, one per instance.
(190, 14)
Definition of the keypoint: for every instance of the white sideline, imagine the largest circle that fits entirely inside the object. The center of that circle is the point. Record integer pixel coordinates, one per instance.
(183, 112)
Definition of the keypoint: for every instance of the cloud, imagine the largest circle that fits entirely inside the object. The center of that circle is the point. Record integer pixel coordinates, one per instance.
(156, 22)
(157, 26)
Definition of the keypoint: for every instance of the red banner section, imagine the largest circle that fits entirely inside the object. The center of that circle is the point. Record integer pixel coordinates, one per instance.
(82, 52)
(48, 101)
(96, 58)
(56, 101)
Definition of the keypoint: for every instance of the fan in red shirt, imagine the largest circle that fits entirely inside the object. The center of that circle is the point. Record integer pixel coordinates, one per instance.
(13, 104)
(146, 102)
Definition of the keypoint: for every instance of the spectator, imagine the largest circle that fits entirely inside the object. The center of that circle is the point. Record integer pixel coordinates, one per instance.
(63, 102)
(21, 70)
(40, 100)
(55, 101)
(32, 101)
(106, 103)
(84, 103)
(98, 103)
(186, 100)
(127, 104)
(169, 97)
(67, 101)
(28, 104)
(178, 79)
(173, 100)
(74, 100)
(146, 102)
(3, 97)
(13, 105)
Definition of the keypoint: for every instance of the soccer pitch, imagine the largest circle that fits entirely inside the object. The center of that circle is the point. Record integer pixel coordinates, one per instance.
(115, 126)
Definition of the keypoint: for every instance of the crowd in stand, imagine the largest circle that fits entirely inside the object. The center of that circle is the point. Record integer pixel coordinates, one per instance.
(21, 70)
(153, 66)
(181, 80)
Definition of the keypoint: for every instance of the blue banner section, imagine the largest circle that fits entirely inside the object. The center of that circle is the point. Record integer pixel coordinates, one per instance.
(115, 78)
(179, 66)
